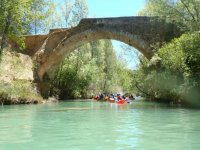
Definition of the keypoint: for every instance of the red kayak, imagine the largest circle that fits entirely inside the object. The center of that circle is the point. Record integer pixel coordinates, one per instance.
(121, 101)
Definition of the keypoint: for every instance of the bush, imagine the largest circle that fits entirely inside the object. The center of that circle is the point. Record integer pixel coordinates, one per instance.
(177, 77)
(18, 92)
(181, 58)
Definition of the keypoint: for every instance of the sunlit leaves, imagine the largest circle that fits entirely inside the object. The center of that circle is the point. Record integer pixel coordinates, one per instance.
(99, 71)
(185, 13)
(182, 54)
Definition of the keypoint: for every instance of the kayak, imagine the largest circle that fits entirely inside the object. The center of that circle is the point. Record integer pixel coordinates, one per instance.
(111, 100)
(121, 101)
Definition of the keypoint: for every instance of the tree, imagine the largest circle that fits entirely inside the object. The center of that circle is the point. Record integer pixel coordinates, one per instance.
(41, 11)
(181, 57)
(67, 10)
(19, 17)
(185, 13)
(131, 54)
(11, 18)
(79, 11)
(110, 66)
(177, 78)
(102, 73)
(90, 69)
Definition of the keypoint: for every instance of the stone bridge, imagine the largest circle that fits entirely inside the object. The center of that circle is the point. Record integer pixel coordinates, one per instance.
(143, 33)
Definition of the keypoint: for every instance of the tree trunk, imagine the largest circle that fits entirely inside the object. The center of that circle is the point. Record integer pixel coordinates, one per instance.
(59, 74)
(5, 32)
(104, 86)
(77, 61)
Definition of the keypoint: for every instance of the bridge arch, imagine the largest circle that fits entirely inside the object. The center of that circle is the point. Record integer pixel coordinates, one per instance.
(139, 32)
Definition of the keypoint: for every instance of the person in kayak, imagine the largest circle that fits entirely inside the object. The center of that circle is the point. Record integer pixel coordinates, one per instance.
(119, 97)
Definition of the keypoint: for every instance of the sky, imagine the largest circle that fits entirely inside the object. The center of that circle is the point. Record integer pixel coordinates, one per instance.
(114, 8)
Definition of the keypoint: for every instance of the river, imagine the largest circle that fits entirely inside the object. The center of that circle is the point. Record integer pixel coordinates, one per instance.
(90, 125)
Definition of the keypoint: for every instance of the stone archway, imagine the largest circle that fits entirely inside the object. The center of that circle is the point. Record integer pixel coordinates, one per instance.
(139, 32)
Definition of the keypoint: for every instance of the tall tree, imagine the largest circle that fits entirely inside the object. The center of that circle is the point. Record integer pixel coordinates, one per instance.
(79, 11)
(53, 19)
(20, 17)
(41, 10)
(110, 65)
(67, 10)
(12, 14)
(185, 13)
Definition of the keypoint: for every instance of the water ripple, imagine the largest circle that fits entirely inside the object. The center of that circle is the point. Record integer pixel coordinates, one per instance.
(92, 125)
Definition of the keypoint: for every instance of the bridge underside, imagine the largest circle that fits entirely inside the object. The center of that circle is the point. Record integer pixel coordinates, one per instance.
(143, 33)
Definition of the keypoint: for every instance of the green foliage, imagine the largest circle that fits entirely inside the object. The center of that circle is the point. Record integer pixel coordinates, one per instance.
(177, 77)
(19, 17)
(18, 92)
(19, 40)
(15, 79)
(182, 56)
(96, 71)
(185, 63)
(41, 11)
(185, 13)
(11, 13)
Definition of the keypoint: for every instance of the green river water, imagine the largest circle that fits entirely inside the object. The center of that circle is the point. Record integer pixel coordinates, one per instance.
(90, 125)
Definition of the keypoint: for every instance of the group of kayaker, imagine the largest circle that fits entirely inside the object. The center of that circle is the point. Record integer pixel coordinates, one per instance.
(118, 98)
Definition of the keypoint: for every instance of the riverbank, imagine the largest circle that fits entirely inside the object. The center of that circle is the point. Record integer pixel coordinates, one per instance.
(16, 79)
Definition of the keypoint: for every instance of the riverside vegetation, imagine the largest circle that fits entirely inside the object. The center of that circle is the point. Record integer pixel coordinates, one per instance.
(172, 75)
(177, 79)
(16, 79)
